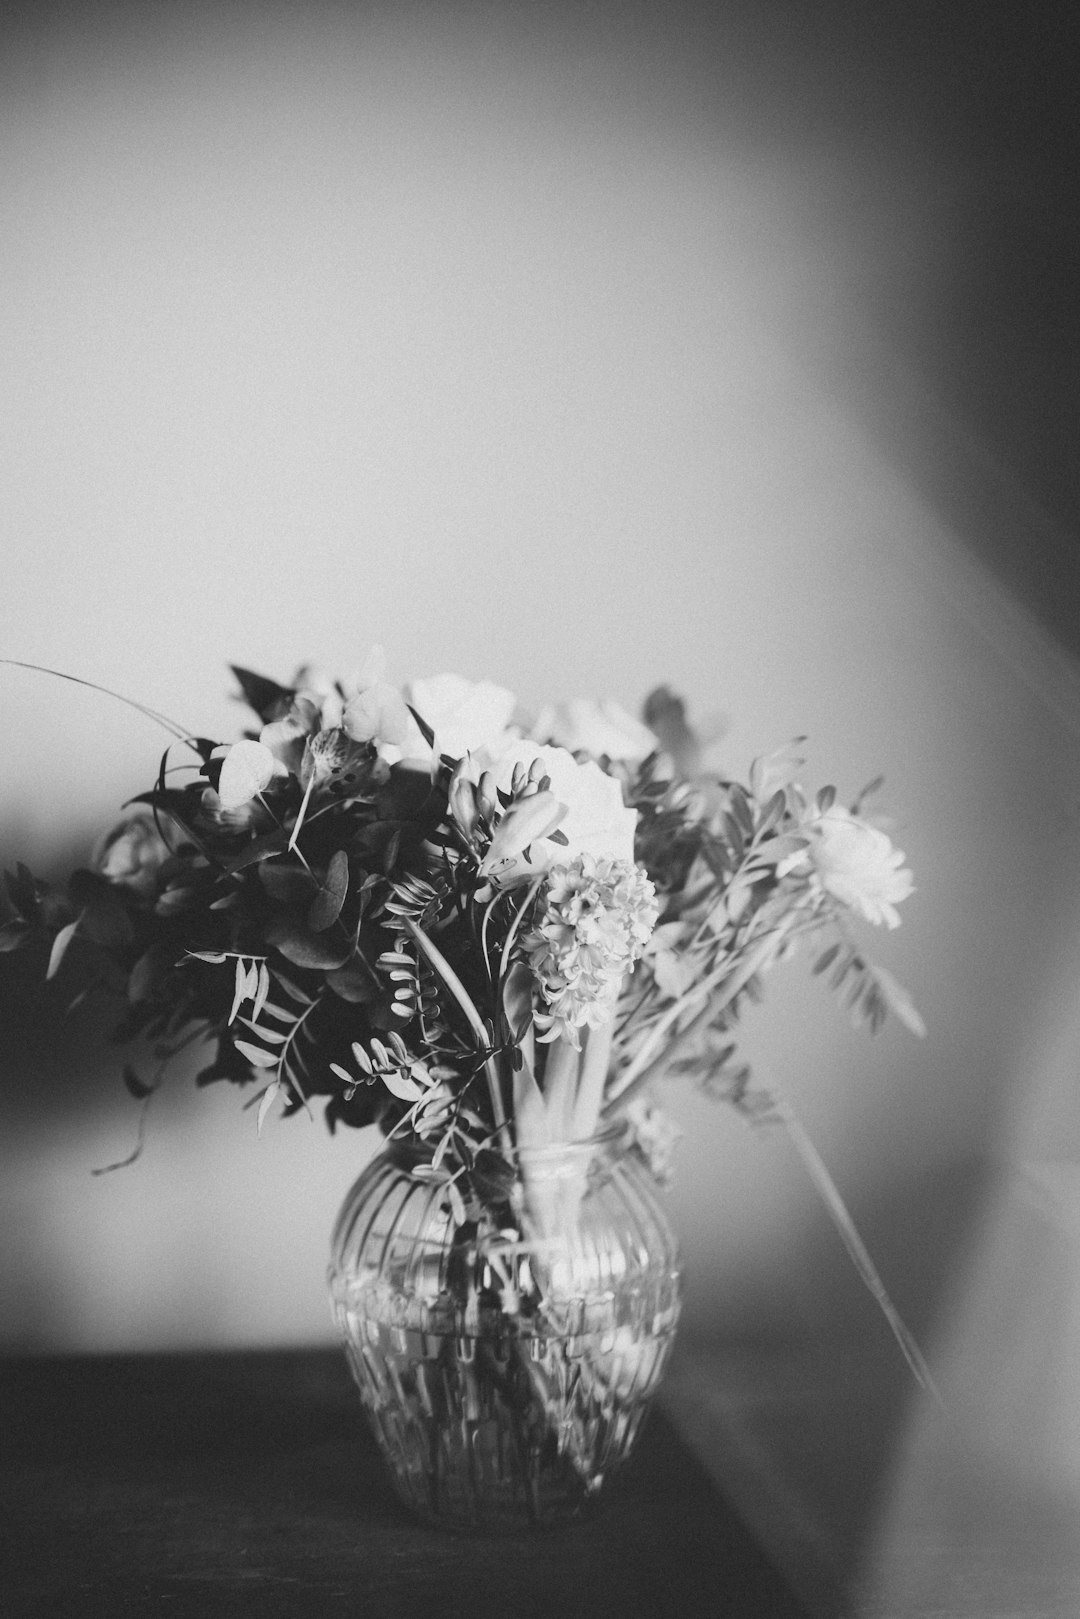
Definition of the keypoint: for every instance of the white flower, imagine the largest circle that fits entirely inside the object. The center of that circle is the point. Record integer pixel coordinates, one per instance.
(133, 854)
(375, 711)
(596, 822)
(593, 923)
(464, 714)
(312, 684)
(247, 769)
(655, 1135)
(857, 864)
(586, 726)
(530, 820)
(378, 714)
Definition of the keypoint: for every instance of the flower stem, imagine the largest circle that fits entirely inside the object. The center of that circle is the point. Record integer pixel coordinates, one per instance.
(476, 1022)
(140, 708)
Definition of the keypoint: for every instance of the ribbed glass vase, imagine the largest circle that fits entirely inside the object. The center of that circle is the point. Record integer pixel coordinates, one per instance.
(506, 1363)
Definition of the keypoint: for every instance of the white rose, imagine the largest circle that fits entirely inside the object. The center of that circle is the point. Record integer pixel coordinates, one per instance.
(464, 714)
(857, 864)
(133, 853)
(596, 821)
(585, 726)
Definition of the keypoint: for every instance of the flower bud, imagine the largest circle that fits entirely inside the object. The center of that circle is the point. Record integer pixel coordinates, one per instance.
(461, 799)
(524, 823)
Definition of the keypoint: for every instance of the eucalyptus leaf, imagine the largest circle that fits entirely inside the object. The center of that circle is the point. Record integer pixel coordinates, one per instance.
(325, 908)
(306, 949)
(261, 848)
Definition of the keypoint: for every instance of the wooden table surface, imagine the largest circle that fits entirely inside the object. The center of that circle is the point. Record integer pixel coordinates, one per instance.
(194, 1486)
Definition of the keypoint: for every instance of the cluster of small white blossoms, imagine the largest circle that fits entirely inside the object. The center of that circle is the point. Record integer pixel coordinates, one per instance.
(597, 915)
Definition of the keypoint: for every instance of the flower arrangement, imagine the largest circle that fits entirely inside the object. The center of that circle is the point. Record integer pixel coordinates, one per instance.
(479, 930)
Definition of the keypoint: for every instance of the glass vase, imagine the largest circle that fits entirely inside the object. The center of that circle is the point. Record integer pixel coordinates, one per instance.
(506, 1361)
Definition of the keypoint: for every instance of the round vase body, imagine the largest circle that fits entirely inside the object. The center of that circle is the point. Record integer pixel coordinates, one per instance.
(506, 1363)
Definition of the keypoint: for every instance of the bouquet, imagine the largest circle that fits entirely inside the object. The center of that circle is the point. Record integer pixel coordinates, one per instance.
(479, 929)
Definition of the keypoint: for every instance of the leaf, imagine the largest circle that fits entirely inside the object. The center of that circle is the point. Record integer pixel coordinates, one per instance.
(246, 770)
(136, 1087)
(273, 1037)
(261, 992)
(59, 947)
(401, 1086)
(240, 987)
(492, 1176)
(261, 848)
(773, 812)
(255, 1054)
(826, 959)
(282, 1012)
(141, 978)
(269, 1097)
(12, 934)
(22, 888)
(306, 949)
(266, 697)
(868, 791)
(363, 1059)
(288, 885)
(214, 956)
(457, 1203)
(425, 729)
(899, 1001)
(354, 982)
(518, 1000)
(325, 908)
(107, 923)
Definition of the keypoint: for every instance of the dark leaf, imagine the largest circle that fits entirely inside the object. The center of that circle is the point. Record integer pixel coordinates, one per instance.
(354, 982)
(325, 908)
(106, 923)
(261, 848)
(24, 887)
(306, 949)
(266, 697)
(137, 1087)
(84, 886)
(143, 974)
(867, 792)
(492, 1176)
(12, 935)
(425, 729)
(288, 885)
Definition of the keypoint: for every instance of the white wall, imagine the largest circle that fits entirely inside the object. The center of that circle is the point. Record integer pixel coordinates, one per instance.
(488, 338)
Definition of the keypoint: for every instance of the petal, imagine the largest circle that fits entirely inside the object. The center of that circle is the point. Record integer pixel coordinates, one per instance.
(247, 769)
